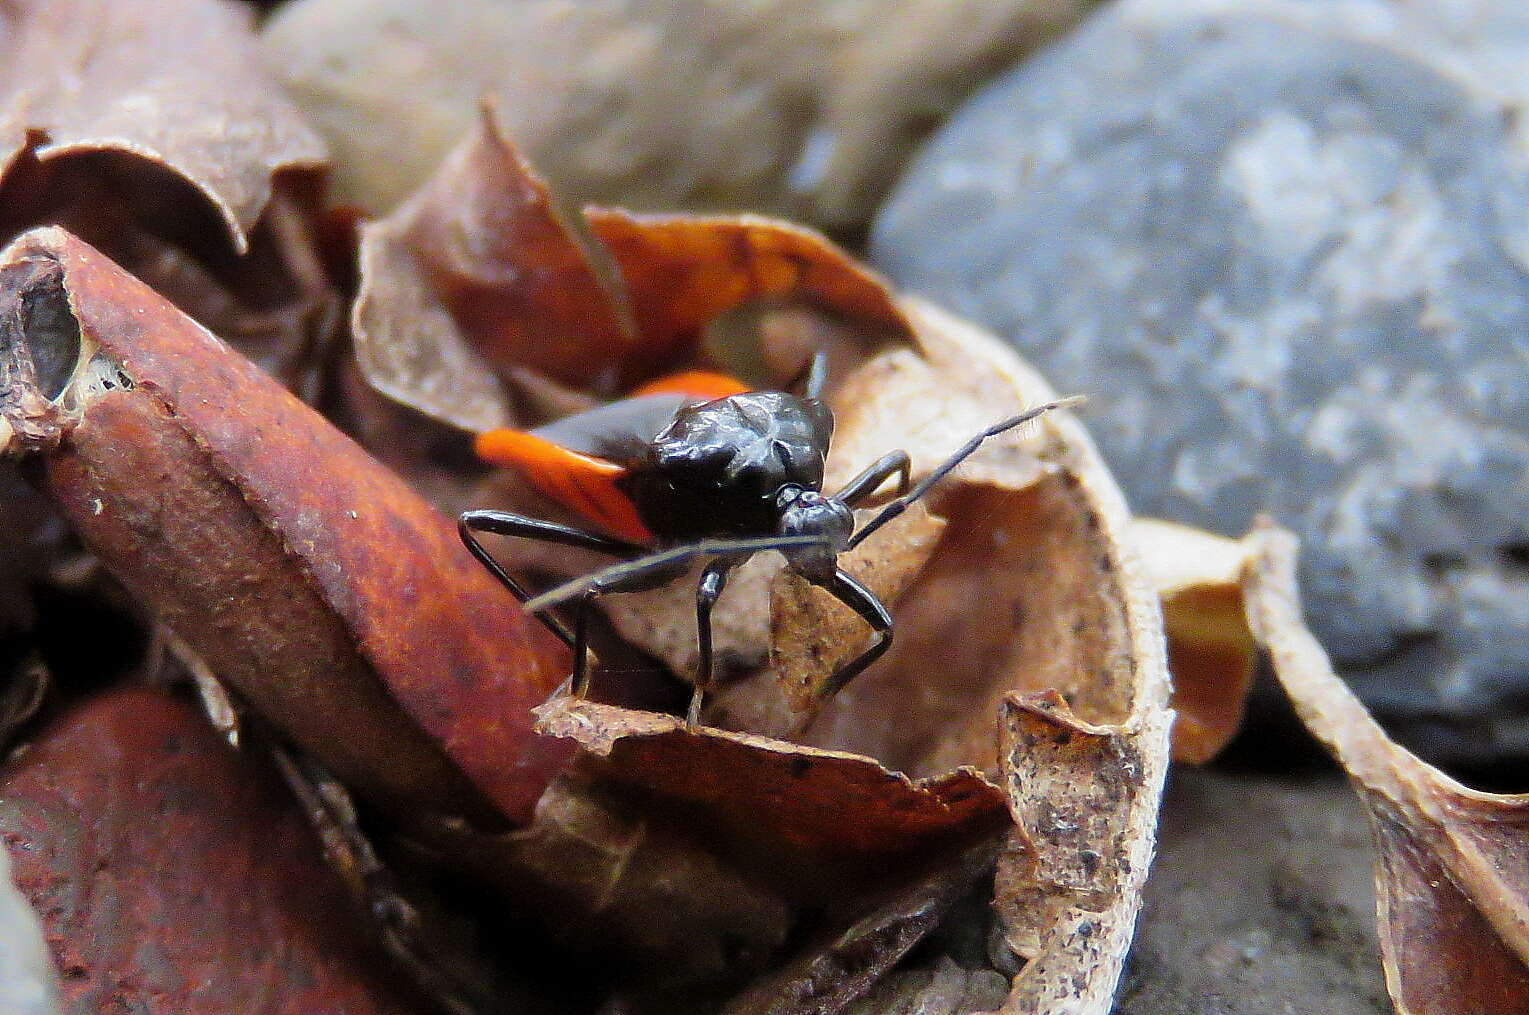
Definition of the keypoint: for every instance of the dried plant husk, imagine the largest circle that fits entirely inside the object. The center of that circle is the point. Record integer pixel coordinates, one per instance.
(1029, 649)
(1211, 652)
(1027, 683)
(1452, 863)
(302, 571)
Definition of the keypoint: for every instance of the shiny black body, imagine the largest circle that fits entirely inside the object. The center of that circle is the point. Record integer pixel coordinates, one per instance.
(718, 468)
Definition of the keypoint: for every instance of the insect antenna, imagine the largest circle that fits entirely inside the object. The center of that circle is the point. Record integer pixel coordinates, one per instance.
(612, 577)
(898, 506)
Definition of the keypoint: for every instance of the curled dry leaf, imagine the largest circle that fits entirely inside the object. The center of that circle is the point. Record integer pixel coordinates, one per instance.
(171, 875)
(1017, 587)
(194, 172)
(304, 573)
(1211, 653)
(78, 82)
(478, 276)
(1452, 864)
(1026, 606)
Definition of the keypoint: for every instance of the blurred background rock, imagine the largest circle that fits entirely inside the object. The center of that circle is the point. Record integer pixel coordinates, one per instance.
(800, 107)
(1283, 246)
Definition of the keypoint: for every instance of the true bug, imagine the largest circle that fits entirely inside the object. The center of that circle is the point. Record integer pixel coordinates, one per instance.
(701, 467)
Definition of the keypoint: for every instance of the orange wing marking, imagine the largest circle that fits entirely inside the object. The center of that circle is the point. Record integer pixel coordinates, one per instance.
(701, 383)
(579, 482)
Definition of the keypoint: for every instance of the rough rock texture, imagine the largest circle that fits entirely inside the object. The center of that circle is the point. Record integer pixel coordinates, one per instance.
(785, 105)
(1261, 900)
(1283, 247)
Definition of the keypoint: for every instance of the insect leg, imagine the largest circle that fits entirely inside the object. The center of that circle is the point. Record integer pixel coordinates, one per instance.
(900, 505)
(505, 523)
(893, 463)
(713, 581)
(860, 599)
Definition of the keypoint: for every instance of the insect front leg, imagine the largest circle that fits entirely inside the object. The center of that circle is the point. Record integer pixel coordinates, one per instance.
(860, 599)
(893, 463)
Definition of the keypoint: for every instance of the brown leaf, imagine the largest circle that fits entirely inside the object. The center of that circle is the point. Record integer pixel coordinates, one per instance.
(1452, 868)
(1029, 588)
(79, 83)
(303, 572)
(1211, 653)
(684, 271)
(1037, 590)
(171, 875)
(827, 801)
(478, 274)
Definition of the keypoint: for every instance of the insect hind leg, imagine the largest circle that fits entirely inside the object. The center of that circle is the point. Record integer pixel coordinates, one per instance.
(506, 523)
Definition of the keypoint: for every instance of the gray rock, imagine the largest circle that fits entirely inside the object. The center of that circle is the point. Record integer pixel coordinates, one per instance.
(1260, 900)
(1284, 247)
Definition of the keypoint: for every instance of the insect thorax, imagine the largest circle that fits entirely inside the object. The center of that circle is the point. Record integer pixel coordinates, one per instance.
(715, 470)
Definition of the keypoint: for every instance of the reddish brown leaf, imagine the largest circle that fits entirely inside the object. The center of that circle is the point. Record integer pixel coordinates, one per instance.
(683, 271)
(1452, 867)
(302, 571)
(78, 82)
(172, 876)
(477, 274)
(802, 795)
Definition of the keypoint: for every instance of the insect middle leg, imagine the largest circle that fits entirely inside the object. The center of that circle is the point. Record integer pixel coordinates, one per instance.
(860, 599)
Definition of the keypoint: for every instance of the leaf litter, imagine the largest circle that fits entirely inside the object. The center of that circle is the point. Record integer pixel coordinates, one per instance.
(1025, 698)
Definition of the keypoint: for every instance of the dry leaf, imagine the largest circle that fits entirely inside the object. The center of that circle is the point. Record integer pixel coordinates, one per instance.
(826, 801)
(172, 876)
(1028, 589)
(193, 172)
(302, 571)
(1452, 867)
(476, 275)
(684, 271)
(79, 82)
(1211, 654)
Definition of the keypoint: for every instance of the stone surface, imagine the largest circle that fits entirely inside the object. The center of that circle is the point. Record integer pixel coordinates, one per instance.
(1261, 901)
(798, 106)
(1283, 248)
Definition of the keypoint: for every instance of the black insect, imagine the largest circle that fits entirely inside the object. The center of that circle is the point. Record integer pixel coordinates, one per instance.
(700, 467)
